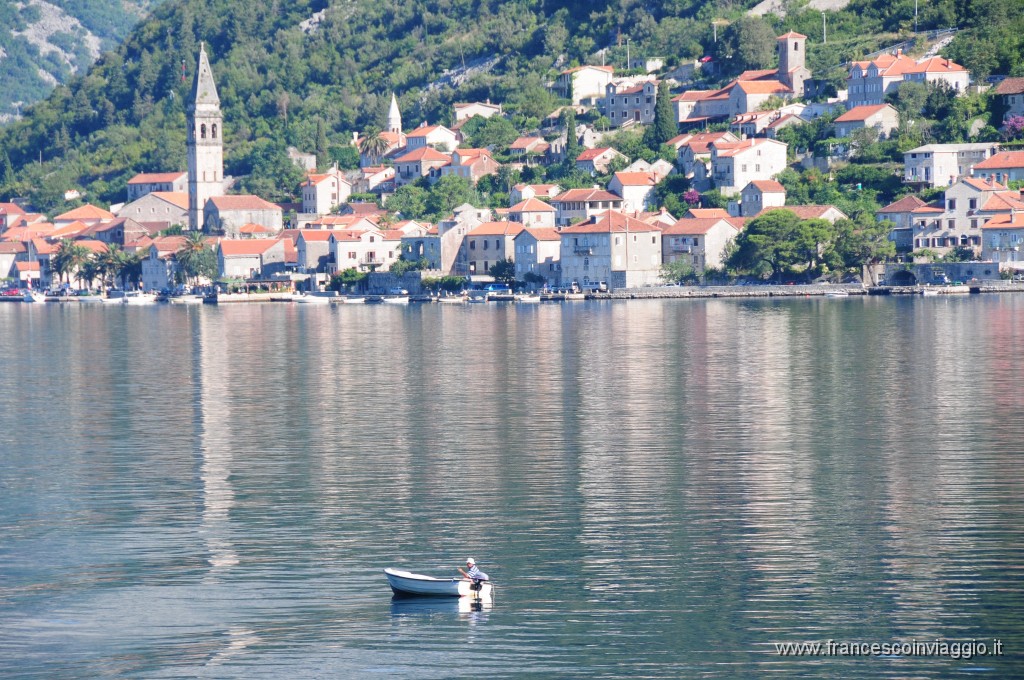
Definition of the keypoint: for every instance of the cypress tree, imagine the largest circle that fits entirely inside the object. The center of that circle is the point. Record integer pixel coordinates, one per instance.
(665, 125)
(572, 143)
(6, 169)
(321, 143)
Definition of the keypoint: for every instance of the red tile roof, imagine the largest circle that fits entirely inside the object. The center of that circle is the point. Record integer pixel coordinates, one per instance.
(861, 113)
(314, 234)
(937, 65)
(425, 130)
(532, 205)
(1005, 221)
(1010, 86)
(69, 230)
(591, 154)
(636, 179)
(86, 212)
(706, 212)
(542, 233)
(1006, 201)
(696, 226)
(524, 143)
(424, 153)
(243, 202)
(761, 74)
(587, 195)
(1004, 160)
(805, 212)
(983, 184)
(729, 149)
(43, 247)
(763, 87)
(175, 198)
(610, 221)
(768, 186)
(497, 229)
(905, 204)
(157, 177)
(246, 246)
(693, 95)
(251, 228)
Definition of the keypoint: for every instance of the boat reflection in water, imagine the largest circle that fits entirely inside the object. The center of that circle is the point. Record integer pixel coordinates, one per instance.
(410, 606)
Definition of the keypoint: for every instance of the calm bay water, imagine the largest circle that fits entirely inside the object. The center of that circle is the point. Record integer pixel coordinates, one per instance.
(660, 488)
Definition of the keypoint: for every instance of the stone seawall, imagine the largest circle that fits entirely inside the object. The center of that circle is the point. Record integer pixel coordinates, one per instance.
(669, 292)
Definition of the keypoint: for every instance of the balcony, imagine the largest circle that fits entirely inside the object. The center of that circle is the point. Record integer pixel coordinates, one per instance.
(682, 249)
(583, 250)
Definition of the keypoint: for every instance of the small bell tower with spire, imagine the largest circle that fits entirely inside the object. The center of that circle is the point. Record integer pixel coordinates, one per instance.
(205, 143)
(394, 116)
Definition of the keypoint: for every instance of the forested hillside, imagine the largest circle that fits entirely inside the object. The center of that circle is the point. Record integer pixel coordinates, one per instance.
(46, 42)
(308, 73)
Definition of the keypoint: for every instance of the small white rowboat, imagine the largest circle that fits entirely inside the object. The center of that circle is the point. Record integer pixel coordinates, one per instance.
(407, 583)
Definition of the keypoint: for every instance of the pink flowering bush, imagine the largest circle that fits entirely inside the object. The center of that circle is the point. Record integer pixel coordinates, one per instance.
(1014, 127)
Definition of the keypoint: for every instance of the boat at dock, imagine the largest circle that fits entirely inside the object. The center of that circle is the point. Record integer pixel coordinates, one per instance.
(185, 299)
(135, 297)
(408, 584)
(313, 299)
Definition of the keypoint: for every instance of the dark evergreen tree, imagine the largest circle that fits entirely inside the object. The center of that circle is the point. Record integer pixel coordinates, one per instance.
(572, 142)
(664, 126)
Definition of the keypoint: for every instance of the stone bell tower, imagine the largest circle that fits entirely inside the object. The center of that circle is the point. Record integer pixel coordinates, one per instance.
(205, 143)
(792, 69)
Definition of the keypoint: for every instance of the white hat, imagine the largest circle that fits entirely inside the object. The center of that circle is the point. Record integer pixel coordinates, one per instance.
(470, 560)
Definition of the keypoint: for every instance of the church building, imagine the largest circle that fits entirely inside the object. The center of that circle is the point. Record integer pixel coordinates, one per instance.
(205, 143)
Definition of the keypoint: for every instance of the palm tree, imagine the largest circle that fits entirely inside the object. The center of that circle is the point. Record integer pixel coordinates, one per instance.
(110, 263)
(374, 145)
(192, 255)
(69, 258)
(90, 271)
(131, 268)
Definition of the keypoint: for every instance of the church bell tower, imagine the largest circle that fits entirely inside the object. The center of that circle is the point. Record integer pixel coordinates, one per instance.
(205, 145)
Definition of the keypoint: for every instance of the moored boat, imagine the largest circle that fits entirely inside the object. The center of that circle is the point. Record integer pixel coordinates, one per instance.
(418, 585)
(135, 297)
(313, 299)
(34, 296)
(186, 300)
(524, 297)
(397, 300)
